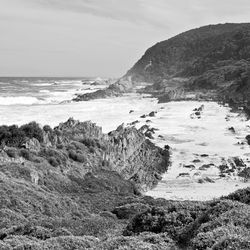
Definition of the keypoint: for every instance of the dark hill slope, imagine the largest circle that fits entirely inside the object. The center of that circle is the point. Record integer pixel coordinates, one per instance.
(194, 52)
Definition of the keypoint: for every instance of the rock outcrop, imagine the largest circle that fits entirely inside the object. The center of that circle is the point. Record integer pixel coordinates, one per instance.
(124, 150)
(118, 88)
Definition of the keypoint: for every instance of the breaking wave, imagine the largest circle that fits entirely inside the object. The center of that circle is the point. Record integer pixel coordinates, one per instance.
(21, 100)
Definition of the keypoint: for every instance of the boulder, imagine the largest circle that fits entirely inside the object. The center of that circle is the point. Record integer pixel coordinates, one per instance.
(152, 114)
(231, 129)
(189, 166)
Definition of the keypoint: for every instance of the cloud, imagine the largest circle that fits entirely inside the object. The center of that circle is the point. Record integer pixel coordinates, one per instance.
(95, 37)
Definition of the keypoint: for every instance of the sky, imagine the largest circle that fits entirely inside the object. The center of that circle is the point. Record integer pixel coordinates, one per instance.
(97, 37)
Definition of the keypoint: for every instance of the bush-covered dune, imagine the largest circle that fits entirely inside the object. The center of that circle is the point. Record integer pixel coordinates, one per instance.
(74, 187)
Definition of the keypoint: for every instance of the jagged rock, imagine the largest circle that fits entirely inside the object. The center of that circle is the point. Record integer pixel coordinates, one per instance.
(238, 162)
(248, 139)
(148, 121)
(32, 144)
(118, 88)
(149, 135)
(143, 116)
(144, 128)
(131, 111)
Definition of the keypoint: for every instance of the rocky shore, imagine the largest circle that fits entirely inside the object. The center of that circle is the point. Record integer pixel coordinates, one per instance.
(74, 187)
(123, 85)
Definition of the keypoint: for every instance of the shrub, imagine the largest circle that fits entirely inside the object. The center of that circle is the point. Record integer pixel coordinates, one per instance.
(61, 231)
(208, 239)
(54, 161)
(232, 242)
(14, 136)
(76, 156)
(92, 150)
(53, 156)
(26, 154)
(241, 195)
(70, 242)
(33, 130)
(47, 129)
(92, 143)
(5, 246)
(11, 136)
(12, 152)
(143, 241)
(158, 220)
(22, 242)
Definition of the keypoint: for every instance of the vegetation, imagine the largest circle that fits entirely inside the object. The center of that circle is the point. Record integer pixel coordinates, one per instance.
(14, 136)
(64, 198)
(195, 52)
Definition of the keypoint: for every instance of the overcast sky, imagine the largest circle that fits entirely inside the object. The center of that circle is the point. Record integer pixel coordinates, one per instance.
(97, 37)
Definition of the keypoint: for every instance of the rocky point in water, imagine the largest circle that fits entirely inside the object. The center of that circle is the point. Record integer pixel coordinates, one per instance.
(118, 88)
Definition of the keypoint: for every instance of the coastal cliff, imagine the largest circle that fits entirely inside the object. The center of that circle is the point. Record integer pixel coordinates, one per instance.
(207, 63)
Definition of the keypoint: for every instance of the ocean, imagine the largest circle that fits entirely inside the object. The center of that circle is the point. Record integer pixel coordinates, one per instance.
(47, 101)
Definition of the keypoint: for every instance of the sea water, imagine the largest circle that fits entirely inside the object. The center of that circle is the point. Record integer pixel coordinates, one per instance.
(47, 101)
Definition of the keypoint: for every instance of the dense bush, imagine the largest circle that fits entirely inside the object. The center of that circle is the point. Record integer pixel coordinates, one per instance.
(70, 242)
(14, 136)
(241, 195)
(53, 156)
(144, 241)
(158, 220)
(218, 235)
(11, 136)
(32, 130)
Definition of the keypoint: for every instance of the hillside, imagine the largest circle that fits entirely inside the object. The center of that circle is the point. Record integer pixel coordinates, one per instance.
(73, 187)
(211, 63)
(194, 52)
